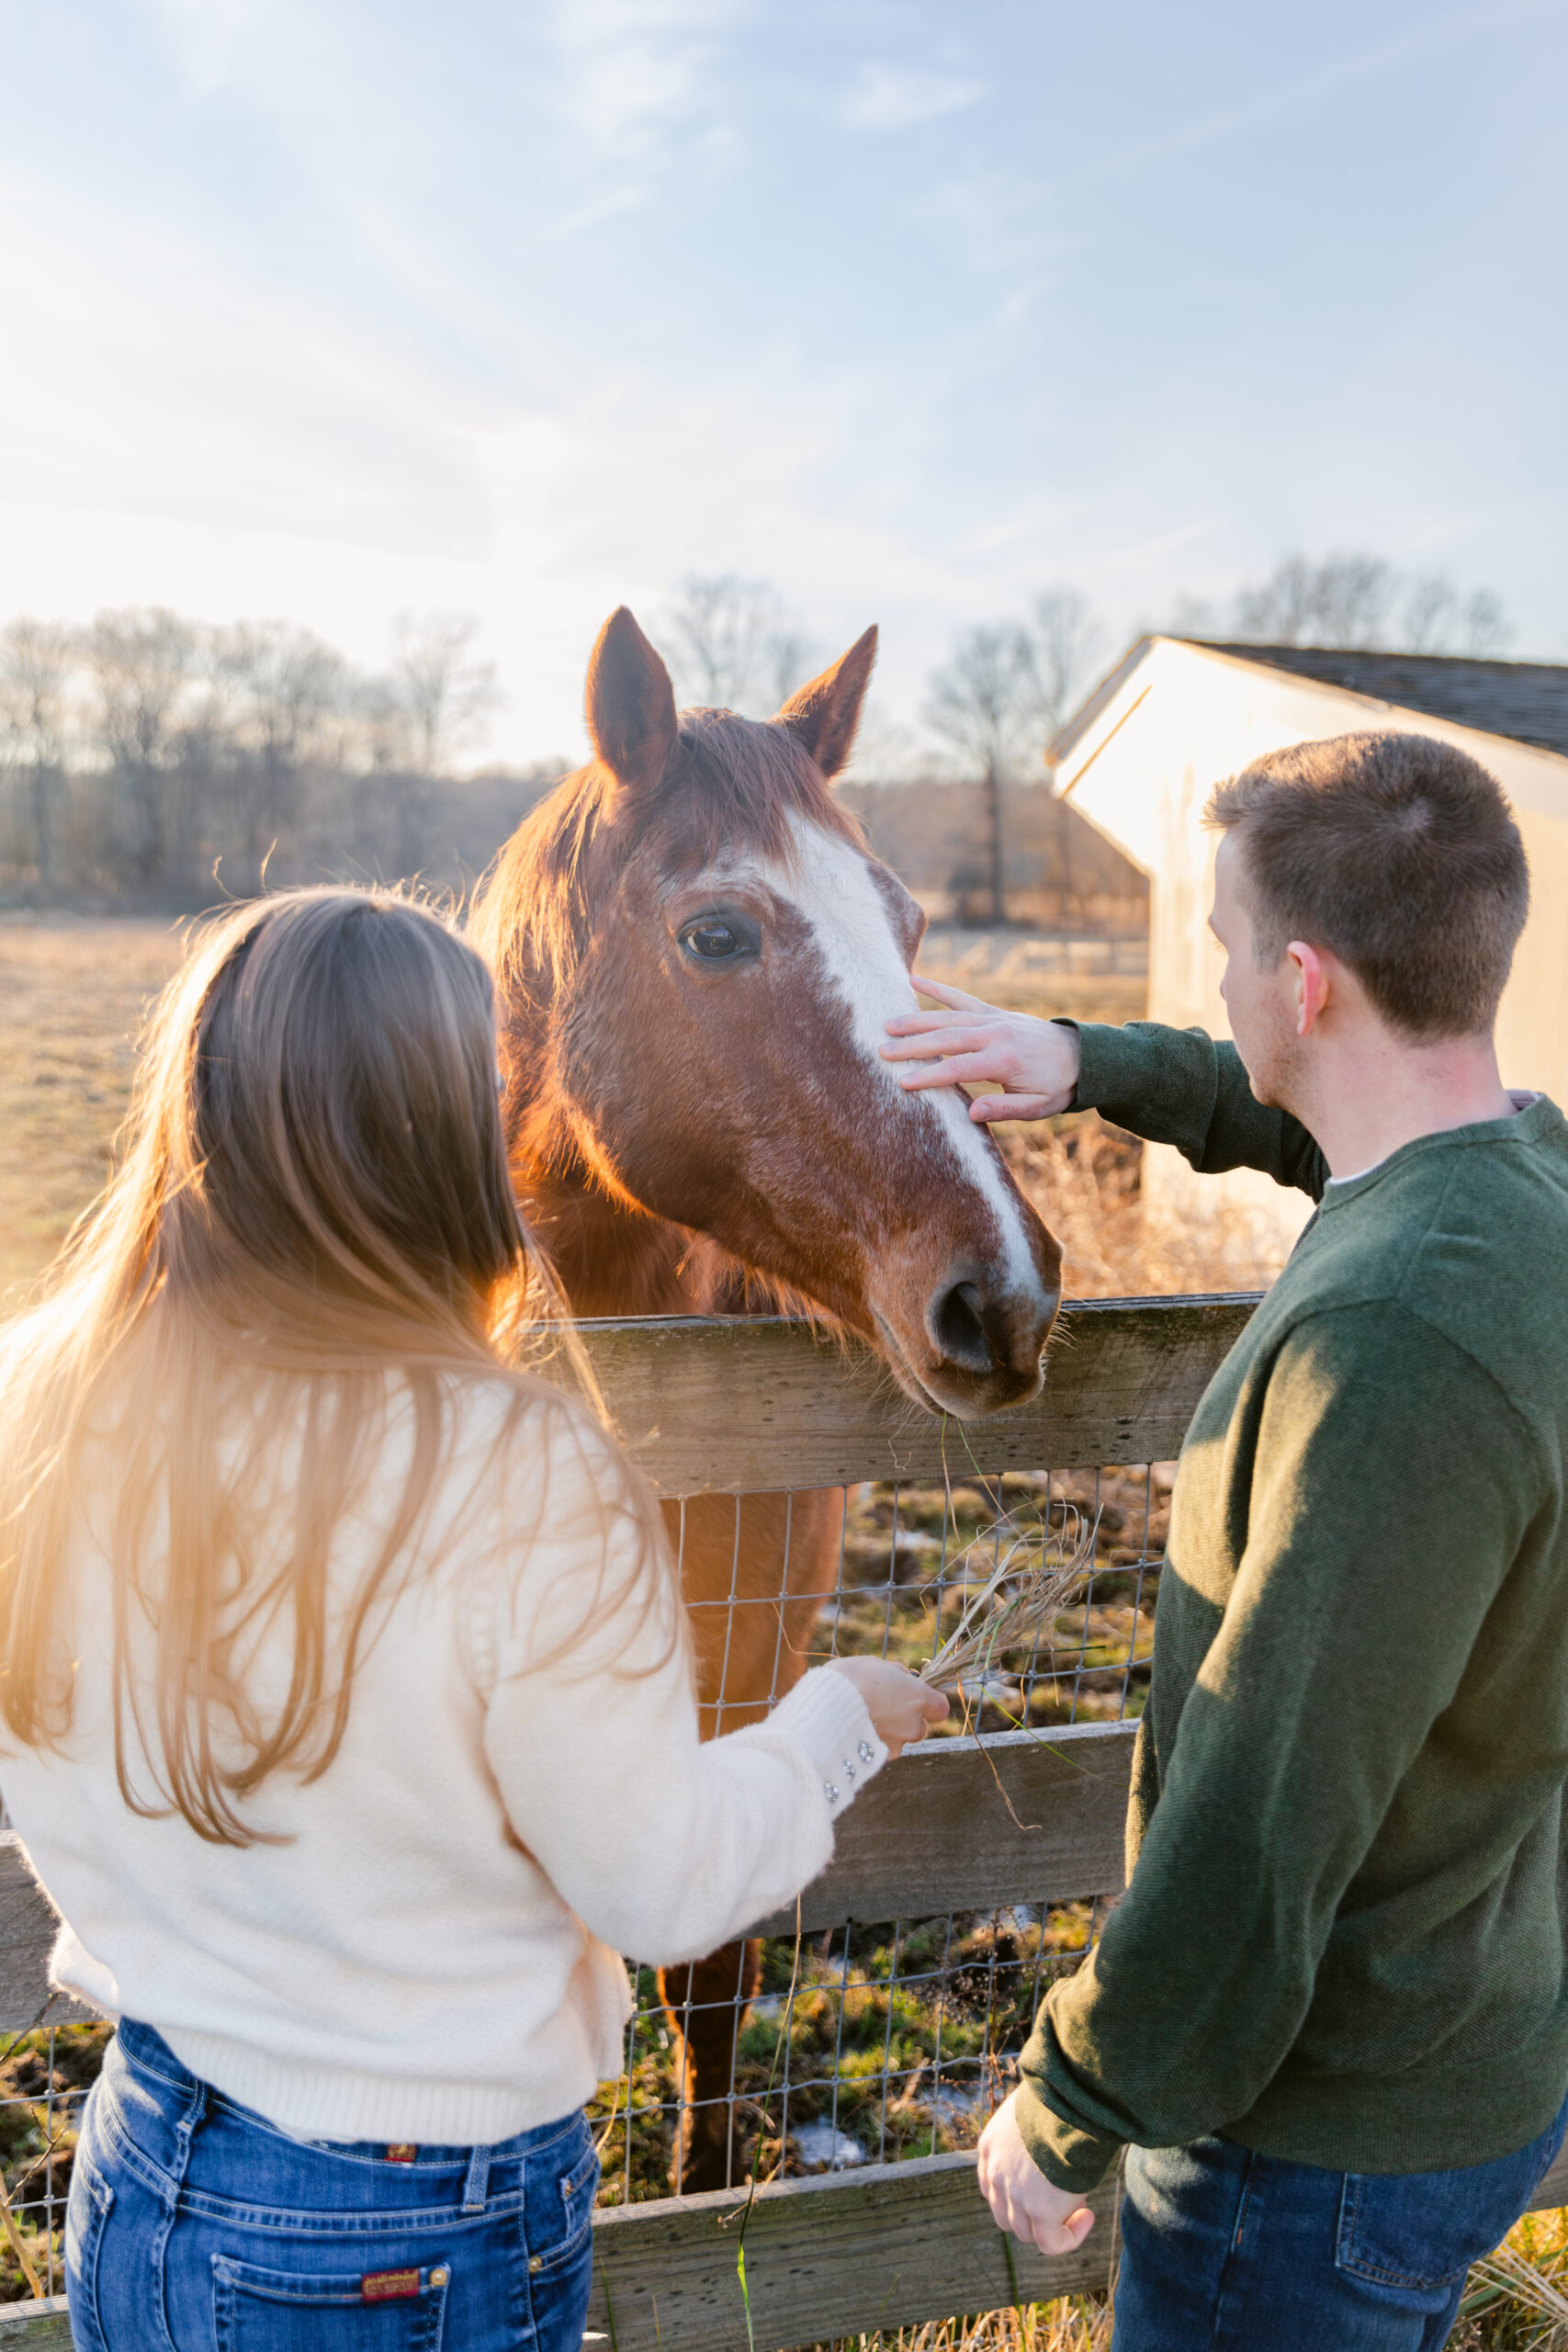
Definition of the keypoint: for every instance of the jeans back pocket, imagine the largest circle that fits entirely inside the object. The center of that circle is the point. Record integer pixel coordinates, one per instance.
(560, 2210)
(1423, 2230)
(286, 2310)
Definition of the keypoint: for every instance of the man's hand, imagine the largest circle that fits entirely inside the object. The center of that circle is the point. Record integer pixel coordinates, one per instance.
(1021, 2198)
(977, 1046)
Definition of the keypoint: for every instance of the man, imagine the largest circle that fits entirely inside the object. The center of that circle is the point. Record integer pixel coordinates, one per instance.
(1330, 2016)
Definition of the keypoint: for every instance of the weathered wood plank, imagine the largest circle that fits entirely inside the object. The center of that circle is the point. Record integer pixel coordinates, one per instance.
(888, 2246)
(27, 1927)
(934, 1833)
(1553, 2188)
(728, 1406)
(35, 2326)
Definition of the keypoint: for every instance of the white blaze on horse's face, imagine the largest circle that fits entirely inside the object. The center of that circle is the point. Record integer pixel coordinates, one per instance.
(965, 1303)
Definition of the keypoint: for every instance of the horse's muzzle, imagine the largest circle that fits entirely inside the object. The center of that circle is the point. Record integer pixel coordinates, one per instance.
(986, 1338)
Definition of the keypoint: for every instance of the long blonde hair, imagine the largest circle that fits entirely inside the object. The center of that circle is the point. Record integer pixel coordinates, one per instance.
(313, 1194)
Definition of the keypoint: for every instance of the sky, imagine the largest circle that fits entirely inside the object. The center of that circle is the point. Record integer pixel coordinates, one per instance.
(325, 310)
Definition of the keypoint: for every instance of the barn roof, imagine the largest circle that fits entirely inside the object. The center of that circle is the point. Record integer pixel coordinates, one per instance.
(1527, 701)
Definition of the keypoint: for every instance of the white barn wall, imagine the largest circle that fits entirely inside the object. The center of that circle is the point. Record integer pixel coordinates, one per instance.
(1181, 719)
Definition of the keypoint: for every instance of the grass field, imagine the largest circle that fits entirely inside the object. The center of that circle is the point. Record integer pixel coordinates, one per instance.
(73, 996)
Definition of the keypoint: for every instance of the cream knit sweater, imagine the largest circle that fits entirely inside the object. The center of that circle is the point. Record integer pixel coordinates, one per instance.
(432, 1955)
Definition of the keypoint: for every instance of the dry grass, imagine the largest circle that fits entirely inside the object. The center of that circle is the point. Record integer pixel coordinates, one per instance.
(1075, 2324)
(1082, 1176)
(73, 996)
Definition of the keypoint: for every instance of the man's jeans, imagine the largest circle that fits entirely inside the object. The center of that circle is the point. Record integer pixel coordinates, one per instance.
(1225, 2251)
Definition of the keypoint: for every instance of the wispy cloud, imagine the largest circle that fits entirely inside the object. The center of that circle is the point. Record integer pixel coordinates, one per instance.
(638, 82)
(1289, 97)
(898, 97)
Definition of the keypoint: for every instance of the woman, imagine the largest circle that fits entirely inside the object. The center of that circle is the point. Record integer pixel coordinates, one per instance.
(347, 1701)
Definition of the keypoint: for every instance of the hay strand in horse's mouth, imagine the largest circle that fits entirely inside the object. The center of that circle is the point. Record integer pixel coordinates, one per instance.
(1018, 1604)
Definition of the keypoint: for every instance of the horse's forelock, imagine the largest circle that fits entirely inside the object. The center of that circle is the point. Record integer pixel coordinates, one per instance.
(739, 785)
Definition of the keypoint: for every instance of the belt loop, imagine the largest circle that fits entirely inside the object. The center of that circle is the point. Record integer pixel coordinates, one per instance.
(476, 2186)
(186, 2129)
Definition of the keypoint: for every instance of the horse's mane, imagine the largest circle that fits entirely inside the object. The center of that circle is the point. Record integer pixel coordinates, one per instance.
(734, 784)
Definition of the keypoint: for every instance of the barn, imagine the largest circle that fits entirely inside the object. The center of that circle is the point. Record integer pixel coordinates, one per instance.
(1139, 759)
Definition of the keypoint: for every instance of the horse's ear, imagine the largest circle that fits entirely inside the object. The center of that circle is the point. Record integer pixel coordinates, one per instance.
(631, 705)
(825, 714)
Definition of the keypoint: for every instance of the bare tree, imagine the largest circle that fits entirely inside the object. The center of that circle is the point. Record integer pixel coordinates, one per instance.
(718, 627)
(1486, 628)
(789, 657)
(1068, 640)
(36, 665)
(985, 701)
(288, 685)
(1353, 594)
(1347, 600)
(143, 665)
(1283, 609)
(733, 644)
(446, 694)
(1431, 609)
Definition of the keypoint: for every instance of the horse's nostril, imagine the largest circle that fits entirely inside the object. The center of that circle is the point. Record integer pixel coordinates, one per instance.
(959, 1332)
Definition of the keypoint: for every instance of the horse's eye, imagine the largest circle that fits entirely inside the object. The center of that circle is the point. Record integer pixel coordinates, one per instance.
(716, 939)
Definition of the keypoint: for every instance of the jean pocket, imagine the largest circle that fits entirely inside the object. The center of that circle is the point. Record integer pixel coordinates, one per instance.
(1422, 2231)
(289, 2311)
(560, 2214)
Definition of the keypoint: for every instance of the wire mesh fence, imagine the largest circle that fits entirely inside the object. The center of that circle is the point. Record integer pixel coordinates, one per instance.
(44, 2078)
(789, 2055)
(868, 2044)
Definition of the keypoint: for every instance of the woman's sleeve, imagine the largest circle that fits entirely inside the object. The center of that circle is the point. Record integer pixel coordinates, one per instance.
(663, 1845)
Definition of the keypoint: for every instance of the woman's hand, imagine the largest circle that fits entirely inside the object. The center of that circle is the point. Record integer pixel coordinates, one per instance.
(901, 1708)
(1021, 2198)
(1034, 1064)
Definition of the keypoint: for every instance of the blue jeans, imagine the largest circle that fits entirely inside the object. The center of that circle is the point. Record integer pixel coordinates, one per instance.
(194, 2226)
(1225, 2251)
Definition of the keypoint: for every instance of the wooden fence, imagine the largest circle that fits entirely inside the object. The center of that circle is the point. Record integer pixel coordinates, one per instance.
(731, 1407)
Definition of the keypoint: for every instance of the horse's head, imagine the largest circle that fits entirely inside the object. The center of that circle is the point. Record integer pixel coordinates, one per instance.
(696, 956)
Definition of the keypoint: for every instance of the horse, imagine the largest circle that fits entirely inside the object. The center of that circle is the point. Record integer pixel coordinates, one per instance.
(694, 953)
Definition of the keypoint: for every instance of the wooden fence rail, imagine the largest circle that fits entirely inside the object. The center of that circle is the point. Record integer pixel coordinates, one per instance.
(726, 1407)
(729, 1406)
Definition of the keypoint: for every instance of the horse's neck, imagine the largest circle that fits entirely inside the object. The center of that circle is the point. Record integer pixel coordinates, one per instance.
(610, 1259)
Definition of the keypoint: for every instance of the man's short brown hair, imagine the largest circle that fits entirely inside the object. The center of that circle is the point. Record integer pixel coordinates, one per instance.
(1398, 853)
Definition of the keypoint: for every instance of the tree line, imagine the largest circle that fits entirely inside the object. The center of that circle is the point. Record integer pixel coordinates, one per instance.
(1008, 686)
(147, 753)
(155, 757)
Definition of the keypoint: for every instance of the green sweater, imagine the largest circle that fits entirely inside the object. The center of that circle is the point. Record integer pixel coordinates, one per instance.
(1345, 1942)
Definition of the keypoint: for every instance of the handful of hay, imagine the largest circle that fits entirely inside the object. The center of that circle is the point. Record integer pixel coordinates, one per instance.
(1018, 1604)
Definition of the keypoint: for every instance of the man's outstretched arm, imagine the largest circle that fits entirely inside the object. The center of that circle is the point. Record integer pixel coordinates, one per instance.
(1175, 1086)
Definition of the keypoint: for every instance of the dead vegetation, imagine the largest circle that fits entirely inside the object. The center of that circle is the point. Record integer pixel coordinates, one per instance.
(1082, 1176)
(73, 999)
